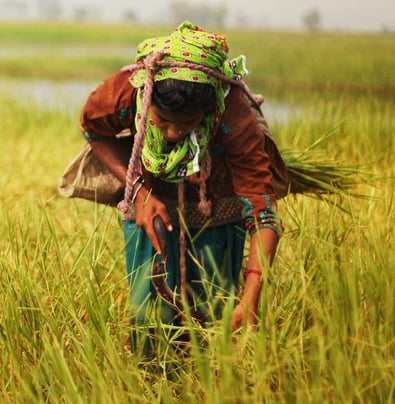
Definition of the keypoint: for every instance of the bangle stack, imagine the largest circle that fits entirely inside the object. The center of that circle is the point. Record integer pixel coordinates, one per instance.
(251, 271)
(140, 180)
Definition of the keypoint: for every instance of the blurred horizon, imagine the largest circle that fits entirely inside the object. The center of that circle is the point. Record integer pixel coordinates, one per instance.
(318, 15)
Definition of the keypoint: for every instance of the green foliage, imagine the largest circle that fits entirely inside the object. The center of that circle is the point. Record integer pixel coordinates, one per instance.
(328, 303)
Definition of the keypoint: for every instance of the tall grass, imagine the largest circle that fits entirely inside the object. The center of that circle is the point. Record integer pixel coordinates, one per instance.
(327, 324)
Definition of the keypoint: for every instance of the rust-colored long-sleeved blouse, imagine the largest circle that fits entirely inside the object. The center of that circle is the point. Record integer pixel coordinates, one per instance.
(240, 164)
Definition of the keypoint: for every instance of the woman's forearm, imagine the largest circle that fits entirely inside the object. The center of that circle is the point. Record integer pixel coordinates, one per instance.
(262, 251)
(115, 154)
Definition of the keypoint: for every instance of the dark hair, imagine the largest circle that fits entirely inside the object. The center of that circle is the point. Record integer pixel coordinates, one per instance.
(173, 95)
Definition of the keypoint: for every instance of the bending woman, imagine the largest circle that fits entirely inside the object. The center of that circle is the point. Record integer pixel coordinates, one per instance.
(196, 159)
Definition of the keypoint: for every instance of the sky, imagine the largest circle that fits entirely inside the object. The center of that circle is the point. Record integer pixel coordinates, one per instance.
(336, 14)
(350, 15)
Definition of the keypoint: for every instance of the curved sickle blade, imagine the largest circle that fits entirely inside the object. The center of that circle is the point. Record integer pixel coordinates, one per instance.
(158, 277)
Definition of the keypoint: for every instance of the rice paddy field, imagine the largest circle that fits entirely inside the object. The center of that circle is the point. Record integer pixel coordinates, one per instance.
(327, 319)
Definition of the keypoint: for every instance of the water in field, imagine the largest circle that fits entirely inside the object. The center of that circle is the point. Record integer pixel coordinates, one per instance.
(71, 95)
(63, 95)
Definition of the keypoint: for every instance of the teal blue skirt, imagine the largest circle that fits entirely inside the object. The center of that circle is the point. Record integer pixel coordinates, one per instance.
(212, 274)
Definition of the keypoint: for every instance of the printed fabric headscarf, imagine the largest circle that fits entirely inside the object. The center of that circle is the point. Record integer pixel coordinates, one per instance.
(190, 43)
(191, 54)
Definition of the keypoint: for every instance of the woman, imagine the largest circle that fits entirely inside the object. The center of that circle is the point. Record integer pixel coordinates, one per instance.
(196, 159)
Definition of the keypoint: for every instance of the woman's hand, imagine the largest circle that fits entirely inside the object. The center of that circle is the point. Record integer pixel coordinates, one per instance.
(244, 316)
(147, 208)
(245, 313)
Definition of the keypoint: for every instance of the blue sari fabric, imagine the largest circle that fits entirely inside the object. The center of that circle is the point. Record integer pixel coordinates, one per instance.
(212, 275)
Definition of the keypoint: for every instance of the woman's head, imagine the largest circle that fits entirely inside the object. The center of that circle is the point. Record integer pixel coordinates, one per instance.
(188, 54)
(179, 106)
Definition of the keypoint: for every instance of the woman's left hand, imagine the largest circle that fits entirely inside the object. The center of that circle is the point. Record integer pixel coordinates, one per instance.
(244, 316)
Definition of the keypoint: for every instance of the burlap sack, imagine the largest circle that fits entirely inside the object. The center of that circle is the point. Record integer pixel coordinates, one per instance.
(88, 178)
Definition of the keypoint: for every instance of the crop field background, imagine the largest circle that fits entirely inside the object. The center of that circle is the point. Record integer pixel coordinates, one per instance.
(327, 319)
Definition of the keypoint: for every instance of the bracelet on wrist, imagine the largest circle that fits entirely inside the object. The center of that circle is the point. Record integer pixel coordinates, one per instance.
(135, 193)
(147, 196)
(248, 272)
(139, 178)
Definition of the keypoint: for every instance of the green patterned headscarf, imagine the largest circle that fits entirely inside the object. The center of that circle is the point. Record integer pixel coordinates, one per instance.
(190, 43)
(190, 54)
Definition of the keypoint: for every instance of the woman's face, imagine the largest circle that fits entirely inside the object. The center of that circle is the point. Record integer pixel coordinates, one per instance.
(175, 126)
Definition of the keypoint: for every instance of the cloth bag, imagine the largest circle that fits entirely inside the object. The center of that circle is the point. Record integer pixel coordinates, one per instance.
(88, 178)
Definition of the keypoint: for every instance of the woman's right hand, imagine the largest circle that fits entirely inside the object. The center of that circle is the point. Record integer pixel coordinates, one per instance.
(147, 207)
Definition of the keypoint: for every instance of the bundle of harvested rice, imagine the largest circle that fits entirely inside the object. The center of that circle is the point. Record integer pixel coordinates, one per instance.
(312, 174)
(308, 175)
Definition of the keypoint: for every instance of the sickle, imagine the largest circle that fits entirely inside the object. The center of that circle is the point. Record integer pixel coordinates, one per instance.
(158, 277)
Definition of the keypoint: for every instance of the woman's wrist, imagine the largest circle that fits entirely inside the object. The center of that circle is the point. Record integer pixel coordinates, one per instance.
(137, 185)
(142, 196)
(253, 286)
(252, 271)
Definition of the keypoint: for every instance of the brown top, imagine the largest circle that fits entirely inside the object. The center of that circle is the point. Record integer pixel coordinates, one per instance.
(240, 165)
